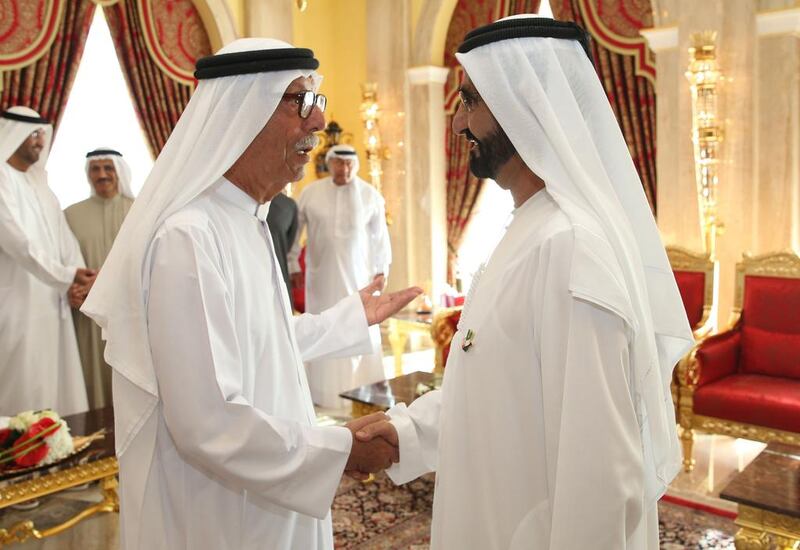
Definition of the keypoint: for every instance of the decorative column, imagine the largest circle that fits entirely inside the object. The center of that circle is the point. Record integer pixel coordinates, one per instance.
(425, 193)
(387, 61)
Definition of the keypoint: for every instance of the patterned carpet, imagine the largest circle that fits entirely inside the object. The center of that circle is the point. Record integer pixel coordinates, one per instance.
(382, 516)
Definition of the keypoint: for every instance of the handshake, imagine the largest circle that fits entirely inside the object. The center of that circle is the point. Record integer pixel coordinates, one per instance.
(81, 285)
(375, 446)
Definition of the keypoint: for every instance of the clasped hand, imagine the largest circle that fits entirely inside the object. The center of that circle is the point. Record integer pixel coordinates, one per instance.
(375, 445)
(81, 285)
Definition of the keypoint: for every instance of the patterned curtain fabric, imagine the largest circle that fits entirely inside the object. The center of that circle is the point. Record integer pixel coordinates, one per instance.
(462, 187)
(626, 69)
(45, 84)
(159, 97)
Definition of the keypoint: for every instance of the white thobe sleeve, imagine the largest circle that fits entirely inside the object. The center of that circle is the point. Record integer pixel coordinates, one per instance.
(30, 255)
(379, 243)
(293, 256)
(70, 248)
(418, 432)
(339, 331)
(198, 365)
(593, 446)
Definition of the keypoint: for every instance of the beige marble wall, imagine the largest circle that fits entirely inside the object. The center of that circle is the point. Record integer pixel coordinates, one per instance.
(777, 144)
(759, 190)
(387, 60)
(272, 18)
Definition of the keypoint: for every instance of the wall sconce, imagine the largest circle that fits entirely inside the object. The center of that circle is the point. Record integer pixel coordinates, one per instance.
(704, 77)
(370, 115)
(302, 5)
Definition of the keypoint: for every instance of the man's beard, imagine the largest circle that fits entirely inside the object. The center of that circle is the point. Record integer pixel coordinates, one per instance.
(29, 154)
(490, 154)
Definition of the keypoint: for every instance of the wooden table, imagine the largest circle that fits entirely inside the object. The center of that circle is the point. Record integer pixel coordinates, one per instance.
(97, 462)
(767, 493)
(401, 326)
(384, 395)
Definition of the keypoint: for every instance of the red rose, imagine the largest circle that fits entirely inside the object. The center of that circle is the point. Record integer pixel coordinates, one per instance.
(32, 453)
(43, 424)
(5, 433)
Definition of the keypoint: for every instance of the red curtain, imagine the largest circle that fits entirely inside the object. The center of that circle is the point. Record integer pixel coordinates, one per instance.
(44, 85)
(463, 188)
(157, 99)
(614, 23)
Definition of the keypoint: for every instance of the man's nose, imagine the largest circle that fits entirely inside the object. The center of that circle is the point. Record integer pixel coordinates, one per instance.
(459, 121)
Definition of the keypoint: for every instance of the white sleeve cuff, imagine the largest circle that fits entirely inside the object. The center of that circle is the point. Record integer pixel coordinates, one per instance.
(412, 464)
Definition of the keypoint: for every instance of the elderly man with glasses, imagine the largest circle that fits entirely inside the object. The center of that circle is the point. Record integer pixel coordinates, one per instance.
(216, 433)
(39, 261)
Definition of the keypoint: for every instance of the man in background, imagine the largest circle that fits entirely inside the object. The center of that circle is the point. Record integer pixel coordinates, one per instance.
(347, 248)
(95, 223)
(39, 260)
(282, 222)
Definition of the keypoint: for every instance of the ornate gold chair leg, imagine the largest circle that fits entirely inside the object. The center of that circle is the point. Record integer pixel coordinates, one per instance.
(750, 539)
(687, 442)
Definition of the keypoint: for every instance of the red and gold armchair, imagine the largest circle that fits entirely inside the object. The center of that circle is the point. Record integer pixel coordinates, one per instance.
(443, 327)
(745, 382)
(696, 276)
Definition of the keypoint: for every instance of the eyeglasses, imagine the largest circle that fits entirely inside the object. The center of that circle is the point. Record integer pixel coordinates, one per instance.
(306, 102)
(36, 133)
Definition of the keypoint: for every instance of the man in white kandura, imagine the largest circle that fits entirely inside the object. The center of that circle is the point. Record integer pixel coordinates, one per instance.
(95, 223)
(215, 429)
(39, 260)
(348, 246)
(554, 428)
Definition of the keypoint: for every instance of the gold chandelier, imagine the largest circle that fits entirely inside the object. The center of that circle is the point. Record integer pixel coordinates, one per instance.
(704, 78)
(370, 115)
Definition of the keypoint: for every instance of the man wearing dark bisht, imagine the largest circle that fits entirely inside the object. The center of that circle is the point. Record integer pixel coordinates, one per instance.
(216, 433)
(554, 428)
(282, 222)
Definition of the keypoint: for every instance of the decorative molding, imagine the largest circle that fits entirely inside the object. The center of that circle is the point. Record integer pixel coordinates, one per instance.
(769, 23)
(623, 45)
(218, 21)
(427, 74)
(772, 23)
(743, 431)
(661, 39)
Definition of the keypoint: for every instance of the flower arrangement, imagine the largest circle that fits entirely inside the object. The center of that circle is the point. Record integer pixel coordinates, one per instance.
(34, 438)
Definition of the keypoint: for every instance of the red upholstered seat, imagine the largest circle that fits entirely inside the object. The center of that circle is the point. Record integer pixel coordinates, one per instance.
(754, 399)
(692, 285)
